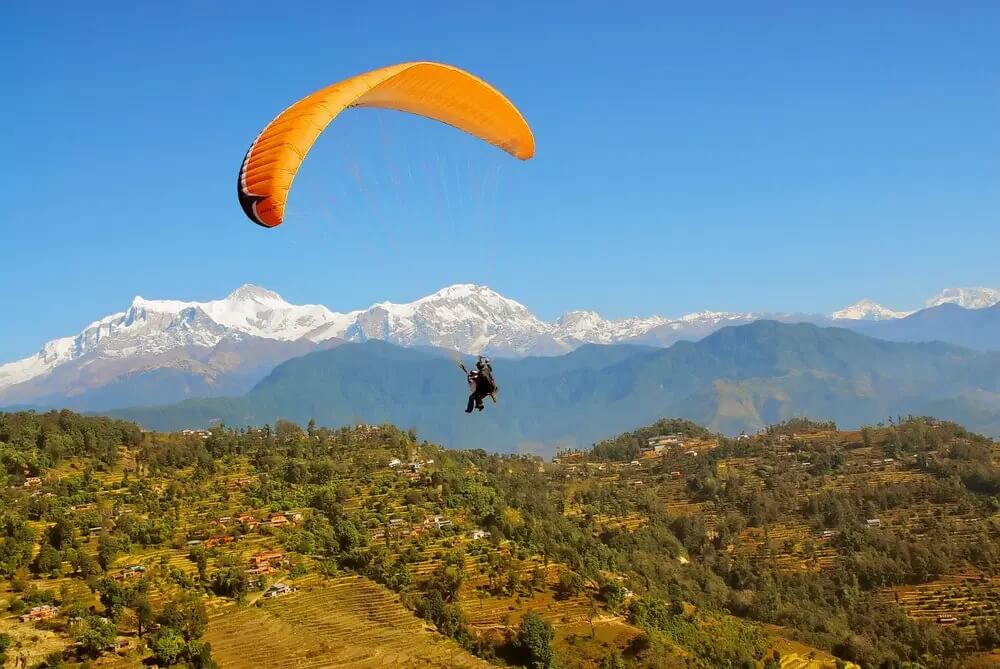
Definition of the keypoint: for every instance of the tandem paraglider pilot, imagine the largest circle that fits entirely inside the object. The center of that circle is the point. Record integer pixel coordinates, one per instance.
(481, 384)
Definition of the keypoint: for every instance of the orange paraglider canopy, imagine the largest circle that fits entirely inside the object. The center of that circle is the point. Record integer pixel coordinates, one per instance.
(440, 92)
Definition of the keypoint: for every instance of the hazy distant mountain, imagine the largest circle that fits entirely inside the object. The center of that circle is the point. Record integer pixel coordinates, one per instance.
(165, 350)
(969, 298)
(739, 378)
(867, 310)
(977, 328)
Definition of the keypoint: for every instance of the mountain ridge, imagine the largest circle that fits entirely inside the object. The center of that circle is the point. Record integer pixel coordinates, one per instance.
(739, 378)
(169, 338)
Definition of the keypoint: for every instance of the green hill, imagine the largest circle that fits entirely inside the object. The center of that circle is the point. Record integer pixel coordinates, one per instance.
(740, 378)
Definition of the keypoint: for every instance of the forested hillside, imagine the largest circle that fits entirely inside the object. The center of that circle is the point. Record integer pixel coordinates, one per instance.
(802, 546)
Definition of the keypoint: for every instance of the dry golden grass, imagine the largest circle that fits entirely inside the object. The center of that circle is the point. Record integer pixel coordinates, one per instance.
(344, 622)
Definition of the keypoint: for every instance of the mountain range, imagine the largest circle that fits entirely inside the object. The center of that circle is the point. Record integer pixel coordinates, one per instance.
(738, 378)
(160, 351)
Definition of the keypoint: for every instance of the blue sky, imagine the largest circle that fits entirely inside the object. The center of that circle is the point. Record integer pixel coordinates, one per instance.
(736, 156)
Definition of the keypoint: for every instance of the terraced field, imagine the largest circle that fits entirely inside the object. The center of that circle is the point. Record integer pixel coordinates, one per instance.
(346, 622)
(964, 598)
(792, 547)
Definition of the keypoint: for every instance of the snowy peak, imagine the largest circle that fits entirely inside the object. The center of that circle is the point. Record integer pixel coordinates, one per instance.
(590, 327)
(251, 293)
(153, 327)
(867, 310)
(968, 298)
(464, 317)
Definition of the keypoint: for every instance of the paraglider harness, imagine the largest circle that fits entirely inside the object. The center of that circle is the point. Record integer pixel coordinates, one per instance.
(481, 383)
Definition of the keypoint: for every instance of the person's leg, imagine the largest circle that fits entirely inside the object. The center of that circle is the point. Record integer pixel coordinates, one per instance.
(468, 407)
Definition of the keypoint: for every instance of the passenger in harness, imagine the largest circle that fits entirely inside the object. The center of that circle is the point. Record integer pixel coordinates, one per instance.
(481, 384)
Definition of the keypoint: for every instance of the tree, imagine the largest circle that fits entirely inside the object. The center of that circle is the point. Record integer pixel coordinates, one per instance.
(988, 633)
(613, 594)
(446, 579)
(230, 582)
(114, 597)
(144, 614)
(534, 639)
(187, 615)
(570, 584)
(95, 634)
(5, 642)
(48, 561)
(61, 533)
(200, 558)
(167, 645)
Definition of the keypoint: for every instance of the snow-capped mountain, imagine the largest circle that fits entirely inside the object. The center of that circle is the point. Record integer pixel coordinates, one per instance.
(589, 327)
(464, 317)
(968, 298)
(867, 310)
(151, 327)
(170, 349)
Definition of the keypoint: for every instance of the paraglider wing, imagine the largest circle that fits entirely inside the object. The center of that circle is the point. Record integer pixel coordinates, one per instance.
(436, 91)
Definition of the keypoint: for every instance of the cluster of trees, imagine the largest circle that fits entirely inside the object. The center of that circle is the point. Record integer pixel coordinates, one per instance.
(173, 633)
(31, 443)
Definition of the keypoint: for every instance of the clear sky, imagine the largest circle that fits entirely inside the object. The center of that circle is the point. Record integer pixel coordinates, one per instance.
(732, 156)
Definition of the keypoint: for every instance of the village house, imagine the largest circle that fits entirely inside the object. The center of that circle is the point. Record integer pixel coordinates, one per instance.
(874, 522)
(655, 449)
(277, 590)
(239, 482)
(218, 540)
(249, 520)
(277, 520)
(32, 481)
(266, 561)
(43, 612)
(478, 534)
(395, 462)
(130, 572)
(675, 475)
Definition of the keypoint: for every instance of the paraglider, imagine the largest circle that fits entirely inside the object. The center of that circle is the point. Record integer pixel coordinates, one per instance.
(481, 384)
(433, 90)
